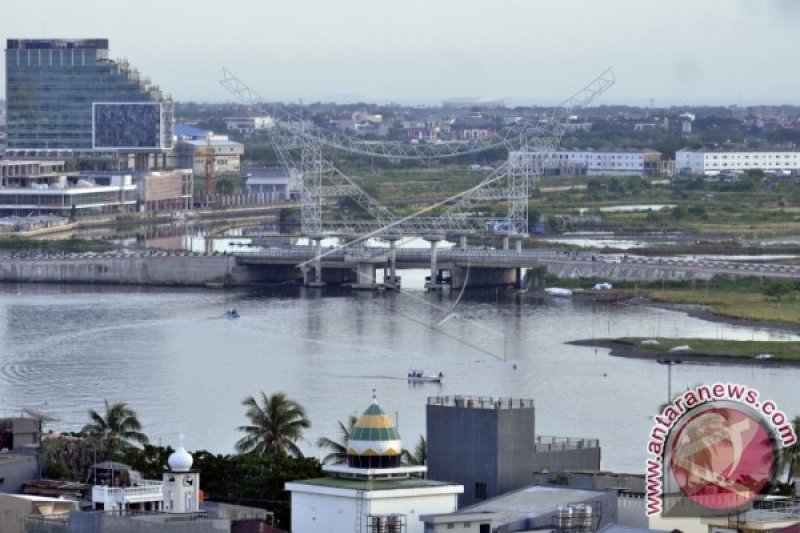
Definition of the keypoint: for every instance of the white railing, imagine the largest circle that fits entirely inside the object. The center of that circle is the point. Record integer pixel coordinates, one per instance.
(147, 491)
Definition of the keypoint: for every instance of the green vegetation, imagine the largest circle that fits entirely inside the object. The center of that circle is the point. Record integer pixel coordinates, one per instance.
(338, 454)
(780, 351)
(743, 305)
(116, 429)
(276, 424)
(20, 244)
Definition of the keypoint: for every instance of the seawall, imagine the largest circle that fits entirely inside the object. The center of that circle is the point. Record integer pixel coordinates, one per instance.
(169, 270)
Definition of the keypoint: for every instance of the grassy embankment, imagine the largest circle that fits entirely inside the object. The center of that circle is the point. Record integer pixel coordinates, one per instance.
(743, 305)
(780, 351)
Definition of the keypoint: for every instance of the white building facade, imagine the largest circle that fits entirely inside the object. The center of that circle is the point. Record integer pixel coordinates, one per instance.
(712, 162)
(248, 125)
(593, 162)
(374, 492)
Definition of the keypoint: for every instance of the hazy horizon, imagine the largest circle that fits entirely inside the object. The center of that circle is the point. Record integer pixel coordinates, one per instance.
(527, 52)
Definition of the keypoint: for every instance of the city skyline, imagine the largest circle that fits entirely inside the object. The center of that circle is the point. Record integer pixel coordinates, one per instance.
(527, 52)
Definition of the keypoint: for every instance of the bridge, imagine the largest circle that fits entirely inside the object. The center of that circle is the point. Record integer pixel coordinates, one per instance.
(457, 267)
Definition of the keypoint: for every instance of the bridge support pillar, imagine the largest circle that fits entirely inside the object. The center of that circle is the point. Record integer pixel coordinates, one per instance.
(505, 242)
(392, 280)
(317, 281)
(365, 277)
(484, 277)
(433, 283)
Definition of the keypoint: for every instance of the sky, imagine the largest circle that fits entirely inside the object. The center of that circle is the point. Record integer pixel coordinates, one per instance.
(673, 52)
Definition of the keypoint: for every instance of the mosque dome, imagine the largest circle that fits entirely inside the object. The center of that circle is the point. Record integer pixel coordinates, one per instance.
(374, 441)
(180, 460)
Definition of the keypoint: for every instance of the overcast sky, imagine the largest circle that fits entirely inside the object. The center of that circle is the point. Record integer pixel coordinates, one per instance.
(527, 51)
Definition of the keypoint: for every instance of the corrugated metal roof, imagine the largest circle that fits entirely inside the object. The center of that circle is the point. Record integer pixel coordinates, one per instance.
(184, 130)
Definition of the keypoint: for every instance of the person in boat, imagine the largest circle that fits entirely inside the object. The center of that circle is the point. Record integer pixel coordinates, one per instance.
(441, 375)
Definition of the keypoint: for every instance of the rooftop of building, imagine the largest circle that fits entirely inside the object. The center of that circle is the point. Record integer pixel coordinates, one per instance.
(185, 130)
(29, 44)
(481, 402)
(739, 151)
(374, 484)
(532, 501)
(212, 142)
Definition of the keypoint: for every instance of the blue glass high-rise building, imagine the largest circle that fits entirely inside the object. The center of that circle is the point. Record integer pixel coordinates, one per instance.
(66, 94)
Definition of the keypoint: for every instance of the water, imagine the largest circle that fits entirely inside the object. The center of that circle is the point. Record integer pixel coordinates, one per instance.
(185, 368)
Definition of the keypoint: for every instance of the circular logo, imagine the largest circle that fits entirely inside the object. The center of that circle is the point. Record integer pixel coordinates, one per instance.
(722, 457)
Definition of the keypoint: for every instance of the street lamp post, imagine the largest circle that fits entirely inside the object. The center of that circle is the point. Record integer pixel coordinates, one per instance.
(669, 363)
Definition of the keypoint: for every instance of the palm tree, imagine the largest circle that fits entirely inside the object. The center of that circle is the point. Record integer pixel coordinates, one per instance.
(420, 454)
(790, 455)
(276, 424)
(118, 427)
(338, 454)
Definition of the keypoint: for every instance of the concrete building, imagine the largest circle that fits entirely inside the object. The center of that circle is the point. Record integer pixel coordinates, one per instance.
(594, 162)
(497, 448)
(68, 96)
(20, 438)
(248, 125)
(40, 187)
(474, 126)
(19, 432)
(536, 507)
(124, 503)
(17, 468)
(374, 492)
(17, 509)
(206, 153)
(167, 190)
(45, 187)
(713, 162)
(422, 130)
(273, 183)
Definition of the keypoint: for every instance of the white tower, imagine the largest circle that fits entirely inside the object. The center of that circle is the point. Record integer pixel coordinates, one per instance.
(181, 484)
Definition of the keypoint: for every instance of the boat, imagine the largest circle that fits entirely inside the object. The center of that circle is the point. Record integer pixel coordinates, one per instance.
(558, 291)
(419, 376)
(232, 313)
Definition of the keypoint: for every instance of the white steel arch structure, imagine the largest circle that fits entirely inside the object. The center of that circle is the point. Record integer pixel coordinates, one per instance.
(299, 147)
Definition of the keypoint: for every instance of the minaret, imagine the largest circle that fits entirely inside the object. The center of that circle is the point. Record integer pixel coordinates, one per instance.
(373, 442)
(181, 484)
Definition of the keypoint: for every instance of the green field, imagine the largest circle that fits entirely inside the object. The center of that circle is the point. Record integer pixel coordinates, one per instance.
(734, 304)
(781, 351)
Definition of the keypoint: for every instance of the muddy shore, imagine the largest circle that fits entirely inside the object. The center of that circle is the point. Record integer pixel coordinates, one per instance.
(697, 311)
(625, 349)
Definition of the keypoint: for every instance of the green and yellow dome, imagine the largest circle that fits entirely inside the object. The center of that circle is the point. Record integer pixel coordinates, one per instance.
(374, 441)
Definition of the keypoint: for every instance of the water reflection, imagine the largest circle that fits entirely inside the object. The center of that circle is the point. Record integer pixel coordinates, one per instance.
(185, 368)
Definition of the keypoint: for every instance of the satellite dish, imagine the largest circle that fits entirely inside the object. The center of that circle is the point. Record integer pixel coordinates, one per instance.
(39, 415)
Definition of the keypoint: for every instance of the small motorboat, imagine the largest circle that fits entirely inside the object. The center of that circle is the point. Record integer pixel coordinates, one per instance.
(419, 376)
(558, 291)
(232, 313)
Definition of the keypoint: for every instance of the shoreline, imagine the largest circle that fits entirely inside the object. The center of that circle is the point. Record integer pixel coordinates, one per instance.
(632, 351)
(696, 311)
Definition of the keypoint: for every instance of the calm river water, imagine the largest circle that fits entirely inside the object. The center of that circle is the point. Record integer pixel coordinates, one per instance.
(185, 368)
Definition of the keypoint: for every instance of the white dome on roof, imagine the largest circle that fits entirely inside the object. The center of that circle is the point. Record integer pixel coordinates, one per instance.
(180, 460)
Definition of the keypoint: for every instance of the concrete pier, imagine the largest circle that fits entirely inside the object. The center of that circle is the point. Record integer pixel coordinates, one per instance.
(317, 279)
(392, 280)
(435, 283)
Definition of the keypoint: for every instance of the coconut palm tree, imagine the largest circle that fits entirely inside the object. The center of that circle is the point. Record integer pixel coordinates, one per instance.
(420, 454)
(118, 427)
(338, 448)
(276, 424)
(790, 455)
